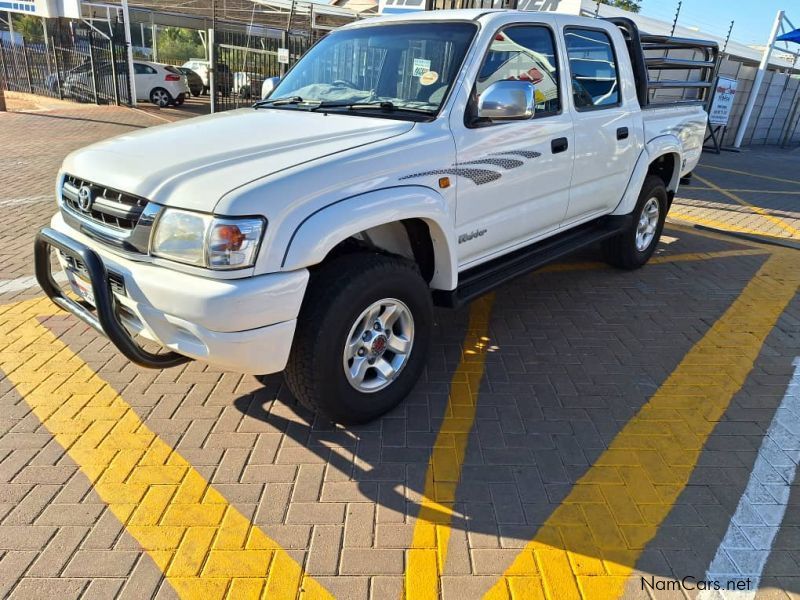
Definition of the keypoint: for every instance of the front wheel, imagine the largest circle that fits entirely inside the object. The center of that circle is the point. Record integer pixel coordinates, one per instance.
(362, 337)
(633, 247)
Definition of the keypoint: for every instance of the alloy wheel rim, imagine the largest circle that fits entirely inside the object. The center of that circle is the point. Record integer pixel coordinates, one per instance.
(379, 345)
(648, 222)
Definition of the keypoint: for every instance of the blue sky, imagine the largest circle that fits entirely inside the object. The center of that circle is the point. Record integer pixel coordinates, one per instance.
(753, 18)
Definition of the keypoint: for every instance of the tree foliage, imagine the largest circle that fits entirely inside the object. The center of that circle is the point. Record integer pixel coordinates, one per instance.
(28, 26)
(177, 44)
(631, 5)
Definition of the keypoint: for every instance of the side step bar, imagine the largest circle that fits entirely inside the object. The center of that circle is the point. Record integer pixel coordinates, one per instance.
(483, 278)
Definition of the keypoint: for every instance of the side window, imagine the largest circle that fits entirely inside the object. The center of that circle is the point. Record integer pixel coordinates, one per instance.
(593, 68)
(526, 53)
(139, 69)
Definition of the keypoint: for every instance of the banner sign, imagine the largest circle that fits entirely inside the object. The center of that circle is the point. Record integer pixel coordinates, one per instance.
(724, 95)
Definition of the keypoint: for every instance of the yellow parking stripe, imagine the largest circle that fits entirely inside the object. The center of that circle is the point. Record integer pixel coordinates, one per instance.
(747, 191)
(590, 544)
(204, 546)
(722, 225)
(756, 209)
(428, 552)
(727, 170)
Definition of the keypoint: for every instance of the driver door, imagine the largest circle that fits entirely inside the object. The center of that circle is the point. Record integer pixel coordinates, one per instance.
(514, 177)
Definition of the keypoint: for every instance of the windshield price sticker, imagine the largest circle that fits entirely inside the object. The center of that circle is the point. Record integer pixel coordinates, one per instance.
(428, 78)
(283, 56)
(421, 66)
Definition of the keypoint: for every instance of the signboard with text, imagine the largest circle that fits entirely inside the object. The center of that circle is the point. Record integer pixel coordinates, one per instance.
(724, 95)
(43, 8)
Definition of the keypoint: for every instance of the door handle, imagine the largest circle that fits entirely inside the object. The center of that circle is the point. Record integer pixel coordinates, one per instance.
(559, 145)
(622, 133)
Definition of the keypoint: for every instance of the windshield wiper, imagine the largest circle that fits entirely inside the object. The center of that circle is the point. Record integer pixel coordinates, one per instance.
(378, 104)
(278, 101)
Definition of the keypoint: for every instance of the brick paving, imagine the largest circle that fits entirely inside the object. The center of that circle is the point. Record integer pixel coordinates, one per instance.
(756, 191)
(574, 352)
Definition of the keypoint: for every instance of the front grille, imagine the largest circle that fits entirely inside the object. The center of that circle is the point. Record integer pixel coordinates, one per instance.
(115, 280)
(107, 206)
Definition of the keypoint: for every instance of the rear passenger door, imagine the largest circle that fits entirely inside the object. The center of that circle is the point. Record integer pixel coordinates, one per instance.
(605, 143)
(146, 78)
(513, 177)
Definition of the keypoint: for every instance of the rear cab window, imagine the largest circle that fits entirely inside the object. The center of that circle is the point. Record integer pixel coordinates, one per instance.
(524, 52)
(593, 68)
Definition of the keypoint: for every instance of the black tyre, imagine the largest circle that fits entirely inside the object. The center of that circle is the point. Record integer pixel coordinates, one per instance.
(161, 97)
(362, 337)
(180, 100)
(633, 248)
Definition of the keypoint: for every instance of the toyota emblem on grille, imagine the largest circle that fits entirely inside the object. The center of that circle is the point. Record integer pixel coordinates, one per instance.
(85, 198)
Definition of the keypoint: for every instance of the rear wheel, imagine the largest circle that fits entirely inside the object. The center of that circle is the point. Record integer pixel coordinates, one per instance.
(362, 337)
(160, 97)
(633, 247)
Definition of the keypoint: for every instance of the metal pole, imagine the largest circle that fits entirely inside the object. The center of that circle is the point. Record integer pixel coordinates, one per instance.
(58, 66)
(129, 48)
(212, 59)
(751, 100)
(27, 65)
(2, 92)
(212, 80)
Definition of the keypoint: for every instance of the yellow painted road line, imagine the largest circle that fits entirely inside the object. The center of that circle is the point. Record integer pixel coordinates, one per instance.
(756, 209)
(675, 226)
(590, 544)
(656, 260)
(726, 170)
(205, 547)
(701, 256)
(695, 220)
(746, 191)
(427, 554)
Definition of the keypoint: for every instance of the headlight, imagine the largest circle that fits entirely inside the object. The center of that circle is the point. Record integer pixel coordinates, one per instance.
(207, 241)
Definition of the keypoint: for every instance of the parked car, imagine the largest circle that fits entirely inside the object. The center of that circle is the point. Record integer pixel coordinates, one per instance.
(161, 84)
(388, 171)
(194, 81)
(247, 85)
(223, 76)
(78, 82)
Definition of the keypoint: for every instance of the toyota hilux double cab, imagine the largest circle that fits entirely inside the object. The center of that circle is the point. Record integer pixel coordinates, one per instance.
(404, 162)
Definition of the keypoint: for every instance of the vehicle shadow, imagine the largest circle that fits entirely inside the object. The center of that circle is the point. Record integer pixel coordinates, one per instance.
(579, 352)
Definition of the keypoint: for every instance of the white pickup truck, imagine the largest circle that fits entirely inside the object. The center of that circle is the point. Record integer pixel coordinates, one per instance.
(403, 162)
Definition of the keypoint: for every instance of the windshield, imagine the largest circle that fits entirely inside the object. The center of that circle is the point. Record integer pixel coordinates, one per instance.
(402, 66)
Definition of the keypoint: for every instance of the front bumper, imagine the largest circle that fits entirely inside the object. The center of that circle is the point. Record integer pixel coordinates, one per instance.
(244, 325)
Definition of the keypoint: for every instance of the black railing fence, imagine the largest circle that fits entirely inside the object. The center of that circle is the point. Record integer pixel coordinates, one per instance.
(244, 61)
(71, 61)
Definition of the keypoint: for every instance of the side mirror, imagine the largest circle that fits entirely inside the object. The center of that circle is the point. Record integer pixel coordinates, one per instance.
(507, 100)
(270, 83)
